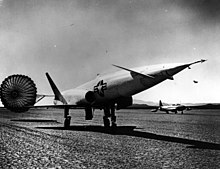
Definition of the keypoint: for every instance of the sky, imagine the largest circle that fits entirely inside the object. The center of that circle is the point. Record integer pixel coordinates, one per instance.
(74, 40)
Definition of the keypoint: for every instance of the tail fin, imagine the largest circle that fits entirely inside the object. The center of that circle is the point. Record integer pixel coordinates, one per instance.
(58, 95)
(160, 103)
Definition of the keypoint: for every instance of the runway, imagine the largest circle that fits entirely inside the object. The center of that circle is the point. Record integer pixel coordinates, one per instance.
(143, 139)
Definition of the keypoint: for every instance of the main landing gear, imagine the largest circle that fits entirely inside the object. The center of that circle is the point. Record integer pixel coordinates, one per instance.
(109, 112)
(67, 118)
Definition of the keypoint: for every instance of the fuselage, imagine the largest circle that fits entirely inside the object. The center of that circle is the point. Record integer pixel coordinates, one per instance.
(122, 84)
(173, 108)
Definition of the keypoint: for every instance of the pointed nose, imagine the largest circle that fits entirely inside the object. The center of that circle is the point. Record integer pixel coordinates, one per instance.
(176, 69)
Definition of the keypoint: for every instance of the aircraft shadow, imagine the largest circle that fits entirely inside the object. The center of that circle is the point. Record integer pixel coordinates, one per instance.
(129, 131)
(35, 120)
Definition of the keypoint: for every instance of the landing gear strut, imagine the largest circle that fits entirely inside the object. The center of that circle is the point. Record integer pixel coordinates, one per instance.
(67, 118)
(106, 116)
(113, 117)
(109, 112)
(67, 122)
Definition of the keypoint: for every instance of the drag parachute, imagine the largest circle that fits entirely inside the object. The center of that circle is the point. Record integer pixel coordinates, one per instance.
(18, 93)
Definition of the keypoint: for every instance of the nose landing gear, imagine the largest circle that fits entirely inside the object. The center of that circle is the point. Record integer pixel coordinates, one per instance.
(109, 112)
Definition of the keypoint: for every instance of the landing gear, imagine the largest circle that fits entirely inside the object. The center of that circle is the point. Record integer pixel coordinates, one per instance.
(67, 122)
(113, 117)
(106, 122)
(67, 118)
(109, 112)
(114, 123)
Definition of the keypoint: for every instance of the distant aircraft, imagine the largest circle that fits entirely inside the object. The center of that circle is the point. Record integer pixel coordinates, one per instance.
(195, 81)
(109, 92)
(171, 108)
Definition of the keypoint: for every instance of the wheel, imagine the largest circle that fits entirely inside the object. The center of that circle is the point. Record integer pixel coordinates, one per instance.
(114, 125)
(113, 119)
(67, 122)
(106, 122)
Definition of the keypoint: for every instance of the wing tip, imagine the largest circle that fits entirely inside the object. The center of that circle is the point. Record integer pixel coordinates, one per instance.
(203, 60)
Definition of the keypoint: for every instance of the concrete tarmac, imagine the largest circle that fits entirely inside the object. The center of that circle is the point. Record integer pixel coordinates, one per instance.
(37, 139)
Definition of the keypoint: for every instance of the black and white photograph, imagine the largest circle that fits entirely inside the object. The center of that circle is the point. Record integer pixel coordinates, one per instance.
(130, 84)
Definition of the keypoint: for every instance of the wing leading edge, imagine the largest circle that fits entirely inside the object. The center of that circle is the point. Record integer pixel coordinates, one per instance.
(134, 72)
